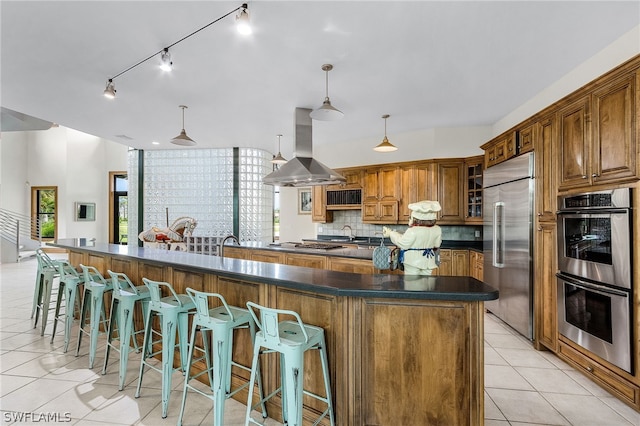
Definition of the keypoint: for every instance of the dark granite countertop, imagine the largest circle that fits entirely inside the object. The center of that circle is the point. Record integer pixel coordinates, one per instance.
(309, 279)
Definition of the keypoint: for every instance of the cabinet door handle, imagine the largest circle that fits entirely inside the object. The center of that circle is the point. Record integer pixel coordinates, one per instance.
(539, 214)
(589, 369)
(584, 176)
(595, 175)
(539, 228)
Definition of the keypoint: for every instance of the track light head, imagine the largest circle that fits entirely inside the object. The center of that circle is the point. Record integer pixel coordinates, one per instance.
(110, 90)
(165, 60)
(243, 24)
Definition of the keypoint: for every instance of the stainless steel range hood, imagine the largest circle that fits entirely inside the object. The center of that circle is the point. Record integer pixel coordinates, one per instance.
(302, 169)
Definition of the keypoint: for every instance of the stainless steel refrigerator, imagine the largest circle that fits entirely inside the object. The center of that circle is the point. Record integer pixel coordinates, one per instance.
(508, 240)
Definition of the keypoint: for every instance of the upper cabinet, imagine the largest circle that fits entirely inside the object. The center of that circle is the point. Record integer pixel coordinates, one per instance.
(598, 136)
(526, 139)
(473, 188)
(450, 191)
(499, 149)
(545, 169)
(380, 195)
(353, 178)
(319, 212)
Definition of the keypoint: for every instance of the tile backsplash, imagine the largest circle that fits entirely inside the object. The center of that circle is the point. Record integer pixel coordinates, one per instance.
(353, 218)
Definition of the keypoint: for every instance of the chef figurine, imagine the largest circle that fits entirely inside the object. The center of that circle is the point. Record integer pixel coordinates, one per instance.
(419, 244)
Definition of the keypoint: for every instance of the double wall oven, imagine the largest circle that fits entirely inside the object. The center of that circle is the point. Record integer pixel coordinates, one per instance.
(595, 273)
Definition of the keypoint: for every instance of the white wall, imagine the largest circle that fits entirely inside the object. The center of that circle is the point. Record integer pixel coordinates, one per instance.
(294, 226)
(77, 163)
(419, 145)
(618, 52)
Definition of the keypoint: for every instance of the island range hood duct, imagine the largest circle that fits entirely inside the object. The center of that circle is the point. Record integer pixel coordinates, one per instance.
(302, 169)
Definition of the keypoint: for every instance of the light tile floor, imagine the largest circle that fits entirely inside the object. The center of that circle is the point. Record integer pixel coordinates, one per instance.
(522, 386)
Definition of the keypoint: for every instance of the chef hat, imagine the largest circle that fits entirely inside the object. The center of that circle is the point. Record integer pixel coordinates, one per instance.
(425, 210)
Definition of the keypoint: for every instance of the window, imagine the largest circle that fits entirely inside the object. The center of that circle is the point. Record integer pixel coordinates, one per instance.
(44, 206)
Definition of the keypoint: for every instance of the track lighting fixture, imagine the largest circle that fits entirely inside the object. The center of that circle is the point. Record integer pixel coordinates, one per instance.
(279, 159)
(165, 60)
(385, 145)
(182, 138)
(326, 112)
(110, 90)
(242, 20)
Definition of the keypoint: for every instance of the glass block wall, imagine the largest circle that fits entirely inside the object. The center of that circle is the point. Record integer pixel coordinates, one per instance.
(256, 199)
(199, 183)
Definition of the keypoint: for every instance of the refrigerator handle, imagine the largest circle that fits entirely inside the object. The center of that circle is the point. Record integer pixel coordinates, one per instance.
(498, 235)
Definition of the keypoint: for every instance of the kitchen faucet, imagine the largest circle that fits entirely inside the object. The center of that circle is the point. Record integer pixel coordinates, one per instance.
(350, 231)
(224, 240)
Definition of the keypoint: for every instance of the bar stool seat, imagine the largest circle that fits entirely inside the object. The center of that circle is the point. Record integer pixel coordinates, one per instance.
(70, 280)
(220, 323)
(125, 296)
(95, 287)
(174, 311)
(290, 339)
(47, 272)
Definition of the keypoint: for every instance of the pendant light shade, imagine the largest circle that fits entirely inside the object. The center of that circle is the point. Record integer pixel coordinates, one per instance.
(182, 138)
(326, 112)
(385, 145)
(279, 159)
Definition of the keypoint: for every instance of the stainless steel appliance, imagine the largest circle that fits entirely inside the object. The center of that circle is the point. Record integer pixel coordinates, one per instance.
(594, 236)
(507, 207)
(594, 282)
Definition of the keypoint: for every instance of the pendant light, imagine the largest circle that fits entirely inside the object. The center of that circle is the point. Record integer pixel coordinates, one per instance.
(326, 112)
(182, 138)
(279, 159)
(385, 145)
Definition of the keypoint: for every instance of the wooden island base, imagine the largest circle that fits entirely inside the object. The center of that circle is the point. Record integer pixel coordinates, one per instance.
(413, 358)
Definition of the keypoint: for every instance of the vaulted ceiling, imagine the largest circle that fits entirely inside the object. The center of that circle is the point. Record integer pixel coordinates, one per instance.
(428, 64)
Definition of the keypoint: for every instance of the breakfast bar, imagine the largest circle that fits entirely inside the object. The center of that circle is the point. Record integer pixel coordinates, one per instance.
(402, 350)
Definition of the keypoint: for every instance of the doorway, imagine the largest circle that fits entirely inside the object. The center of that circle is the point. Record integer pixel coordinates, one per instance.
(44, 208)
(118, 207)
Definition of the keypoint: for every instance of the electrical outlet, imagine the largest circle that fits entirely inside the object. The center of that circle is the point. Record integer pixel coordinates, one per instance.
(477, 234)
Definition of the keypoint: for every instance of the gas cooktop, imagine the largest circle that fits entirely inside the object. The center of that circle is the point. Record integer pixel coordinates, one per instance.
(318, 246)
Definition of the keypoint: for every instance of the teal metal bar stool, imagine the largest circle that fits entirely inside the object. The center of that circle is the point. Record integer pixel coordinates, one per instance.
(220, 323)
(47, 272)
(174, 312)
(125, 296)
(95, 287)
(70, 280)
(290, 339)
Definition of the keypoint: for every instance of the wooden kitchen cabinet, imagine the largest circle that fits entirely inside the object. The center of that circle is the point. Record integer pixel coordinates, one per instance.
(575, 139)
(266, 256)
(453, 262)
(306, 260)
(545, 286)
(499, 149)
(545, 170)
(319, 212)
(381, 192)
(597, 134)
(344, 264)
(450, 191)
(614, 146)
(473, 189)
(353, 178)
(476, 264)
(526, 137)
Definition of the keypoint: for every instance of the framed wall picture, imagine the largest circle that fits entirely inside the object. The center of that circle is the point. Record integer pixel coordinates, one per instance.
(304, 201)
(85, 211)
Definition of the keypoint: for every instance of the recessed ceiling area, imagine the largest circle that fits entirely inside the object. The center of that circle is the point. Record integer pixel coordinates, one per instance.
(428, 64)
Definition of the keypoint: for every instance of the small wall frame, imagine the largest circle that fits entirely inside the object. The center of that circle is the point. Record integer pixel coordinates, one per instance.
(304, 201)
(85, 211)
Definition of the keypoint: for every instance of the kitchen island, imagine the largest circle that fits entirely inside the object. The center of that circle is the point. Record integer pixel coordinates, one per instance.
(402, 350)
